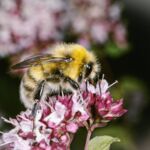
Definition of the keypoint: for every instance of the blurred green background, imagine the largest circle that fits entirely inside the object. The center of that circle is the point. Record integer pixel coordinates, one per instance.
(130, 67)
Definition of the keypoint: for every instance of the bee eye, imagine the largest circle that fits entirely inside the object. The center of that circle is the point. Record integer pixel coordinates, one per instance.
(88, 69)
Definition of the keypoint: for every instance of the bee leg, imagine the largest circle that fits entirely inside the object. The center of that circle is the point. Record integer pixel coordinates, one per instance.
(73, 83)
(37, 97)
(61, 91)
(96, 79)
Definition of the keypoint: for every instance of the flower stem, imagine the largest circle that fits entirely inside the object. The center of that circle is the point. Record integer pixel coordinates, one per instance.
(87, 139)
(90, 130)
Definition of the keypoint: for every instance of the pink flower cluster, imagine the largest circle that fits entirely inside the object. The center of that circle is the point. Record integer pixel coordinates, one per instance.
(97, 21)
(58, 118)
(27, 24)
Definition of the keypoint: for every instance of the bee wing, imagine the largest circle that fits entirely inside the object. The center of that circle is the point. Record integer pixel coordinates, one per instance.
(36, 60)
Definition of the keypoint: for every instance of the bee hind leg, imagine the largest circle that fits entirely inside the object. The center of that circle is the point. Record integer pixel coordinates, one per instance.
(37, 97)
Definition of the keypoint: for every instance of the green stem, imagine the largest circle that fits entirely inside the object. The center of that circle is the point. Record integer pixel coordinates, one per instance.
(90, 130)
(87, 139)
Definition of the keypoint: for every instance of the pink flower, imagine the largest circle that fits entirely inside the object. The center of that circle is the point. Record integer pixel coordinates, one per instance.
(95, 21)
(92, 21)
(59, 117)
(28, 28)
(109, 109)
(72, 127)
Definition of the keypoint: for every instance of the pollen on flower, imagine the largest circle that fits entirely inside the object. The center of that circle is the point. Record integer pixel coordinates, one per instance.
(59, 118)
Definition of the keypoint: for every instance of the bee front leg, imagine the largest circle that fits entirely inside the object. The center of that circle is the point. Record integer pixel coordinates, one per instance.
(37, 97)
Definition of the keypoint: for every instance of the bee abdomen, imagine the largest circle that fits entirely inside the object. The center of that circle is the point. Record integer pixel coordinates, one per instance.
(26, 96)
(29, 83)
(27, 88)
(31, 77)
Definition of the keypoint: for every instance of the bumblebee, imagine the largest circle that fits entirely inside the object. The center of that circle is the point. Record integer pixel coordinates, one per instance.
(59, 72)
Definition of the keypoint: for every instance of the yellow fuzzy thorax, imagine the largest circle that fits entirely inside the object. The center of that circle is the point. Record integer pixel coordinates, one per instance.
(72, 69)
(79, 54)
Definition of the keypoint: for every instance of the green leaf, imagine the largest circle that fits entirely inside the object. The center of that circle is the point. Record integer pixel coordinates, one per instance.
(124, 134)
(114, 51)
(102, 142)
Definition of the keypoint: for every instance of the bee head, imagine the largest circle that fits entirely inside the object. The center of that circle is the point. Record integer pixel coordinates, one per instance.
(84, 65)
(90, 69)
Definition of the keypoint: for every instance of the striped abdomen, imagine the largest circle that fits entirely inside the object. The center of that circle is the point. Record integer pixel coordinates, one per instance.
(29, 84)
